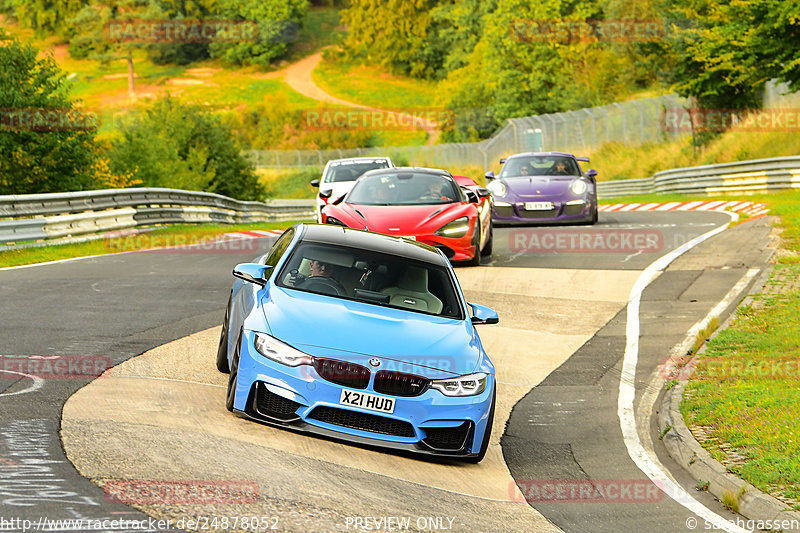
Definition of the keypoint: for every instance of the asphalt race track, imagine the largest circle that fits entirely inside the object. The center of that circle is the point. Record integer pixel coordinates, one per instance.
(559, 350)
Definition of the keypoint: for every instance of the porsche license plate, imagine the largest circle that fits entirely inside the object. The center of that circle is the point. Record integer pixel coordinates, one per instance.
(538, 206)
(367, 401)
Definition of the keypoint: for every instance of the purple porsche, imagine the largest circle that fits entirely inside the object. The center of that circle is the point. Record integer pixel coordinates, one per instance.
(544, 188)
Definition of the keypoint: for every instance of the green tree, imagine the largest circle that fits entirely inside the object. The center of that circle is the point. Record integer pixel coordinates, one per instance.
(171, 144)
(47, 158)
(397, 34)
(44, 16)
(278, 25)
(93, 36)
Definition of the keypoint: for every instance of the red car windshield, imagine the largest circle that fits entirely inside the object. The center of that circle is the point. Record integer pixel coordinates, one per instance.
(404, 188)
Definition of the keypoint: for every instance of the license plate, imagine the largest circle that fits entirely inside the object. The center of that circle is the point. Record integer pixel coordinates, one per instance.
(372, 402)
(538, 206)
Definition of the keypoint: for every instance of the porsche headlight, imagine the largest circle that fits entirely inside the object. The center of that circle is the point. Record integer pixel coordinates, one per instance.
(497, 188)
(272, 348)
(470, 385)
(579, 187)
(455, 229)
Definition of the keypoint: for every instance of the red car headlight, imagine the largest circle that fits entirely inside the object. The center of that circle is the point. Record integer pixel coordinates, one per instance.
(455, 229)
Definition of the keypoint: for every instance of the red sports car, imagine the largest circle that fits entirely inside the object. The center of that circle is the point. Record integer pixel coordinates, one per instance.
(424, 204)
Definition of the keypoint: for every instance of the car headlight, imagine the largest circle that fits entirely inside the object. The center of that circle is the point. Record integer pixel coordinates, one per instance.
(335, 222)
(579, 187)
(455, 229)
(497, 188)
(272, 348)
(470, 385)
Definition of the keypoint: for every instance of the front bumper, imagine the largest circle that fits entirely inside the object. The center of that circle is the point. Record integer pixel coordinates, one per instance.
(563, 212)
(299, 398)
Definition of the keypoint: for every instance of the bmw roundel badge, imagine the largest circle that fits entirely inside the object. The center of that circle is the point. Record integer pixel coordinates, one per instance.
(375, 362)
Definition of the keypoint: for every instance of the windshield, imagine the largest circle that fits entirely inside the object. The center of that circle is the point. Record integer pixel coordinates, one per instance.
(371, 277)
(351, 170)
(548, 165)
(405, 188)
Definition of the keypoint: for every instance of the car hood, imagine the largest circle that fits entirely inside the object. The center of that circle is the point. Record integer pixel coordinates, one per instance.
(402, 219)
(538, 186)
(405, 341)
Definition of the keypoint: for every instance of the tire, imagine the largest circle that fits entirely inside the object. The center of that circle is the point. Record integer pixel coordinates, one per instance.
(487, 250)
(476, 259)
(486, 436)
(595, 215)
(222, 350)
(232, 380)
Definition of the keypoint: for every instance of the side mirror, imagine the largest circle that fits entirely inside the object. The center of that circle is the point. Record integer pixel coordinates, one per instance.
(315, 183)
(472, 196)
(326, 194)
(489, 175)
(592, 174)
(483, 315)
(252, 273)
(483, 192)
(502, 160)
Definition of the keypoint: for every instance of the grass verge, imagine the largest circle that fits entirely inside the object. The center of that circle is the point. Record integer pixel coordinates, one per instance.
(371, 86)
(745, 391)
(177, 235)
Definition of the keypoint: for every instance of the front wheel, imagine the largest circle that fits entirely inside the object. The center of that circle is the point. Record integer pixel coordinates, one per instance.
(233, 379)
(487, 250)
(222, 350)
(476, 259)
(486, 436)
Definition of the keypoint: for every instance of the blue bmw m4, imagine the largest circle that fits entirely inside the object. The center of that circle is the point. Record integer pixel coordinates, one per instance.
(361, 337)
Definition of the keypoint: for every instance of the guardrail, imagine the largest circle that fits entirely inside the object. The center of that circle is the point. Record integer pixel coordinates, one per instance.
(755, 176)
(26, 220)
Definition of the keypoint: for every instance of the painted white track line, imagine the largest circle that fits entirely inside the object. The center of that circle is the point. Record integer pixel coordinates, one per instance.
(645, 460)
(255, 234)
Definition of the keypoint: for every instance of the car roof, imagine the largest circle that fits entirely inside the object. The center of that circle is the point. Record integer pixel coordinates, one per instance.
(357, 159)
(417, 170)
(540, 154)
(355, 238)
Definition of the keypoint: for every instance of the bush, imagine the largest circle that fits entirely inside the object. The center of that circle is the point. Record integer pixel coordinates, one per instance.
(170, 144)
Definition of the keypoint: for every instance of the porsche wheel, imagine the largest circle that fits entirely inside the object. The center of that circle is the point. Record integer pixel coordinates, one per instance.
(595, 216)
(231, 396)
(222, 350)
(487, 435)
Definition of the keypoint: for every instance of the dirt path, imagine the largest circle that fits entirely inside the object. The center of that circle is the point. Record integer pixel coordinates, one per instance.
(298, 76)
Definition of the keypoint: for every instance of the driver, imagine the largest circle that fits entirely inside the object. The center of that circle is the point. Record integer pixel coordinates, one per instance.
(560, 168)
(320, 269)
(525, 170)
(434, 192)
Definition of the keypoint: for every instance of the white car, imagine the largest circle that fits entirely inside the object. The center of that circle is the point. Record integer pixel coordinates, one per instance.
(340, 175)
